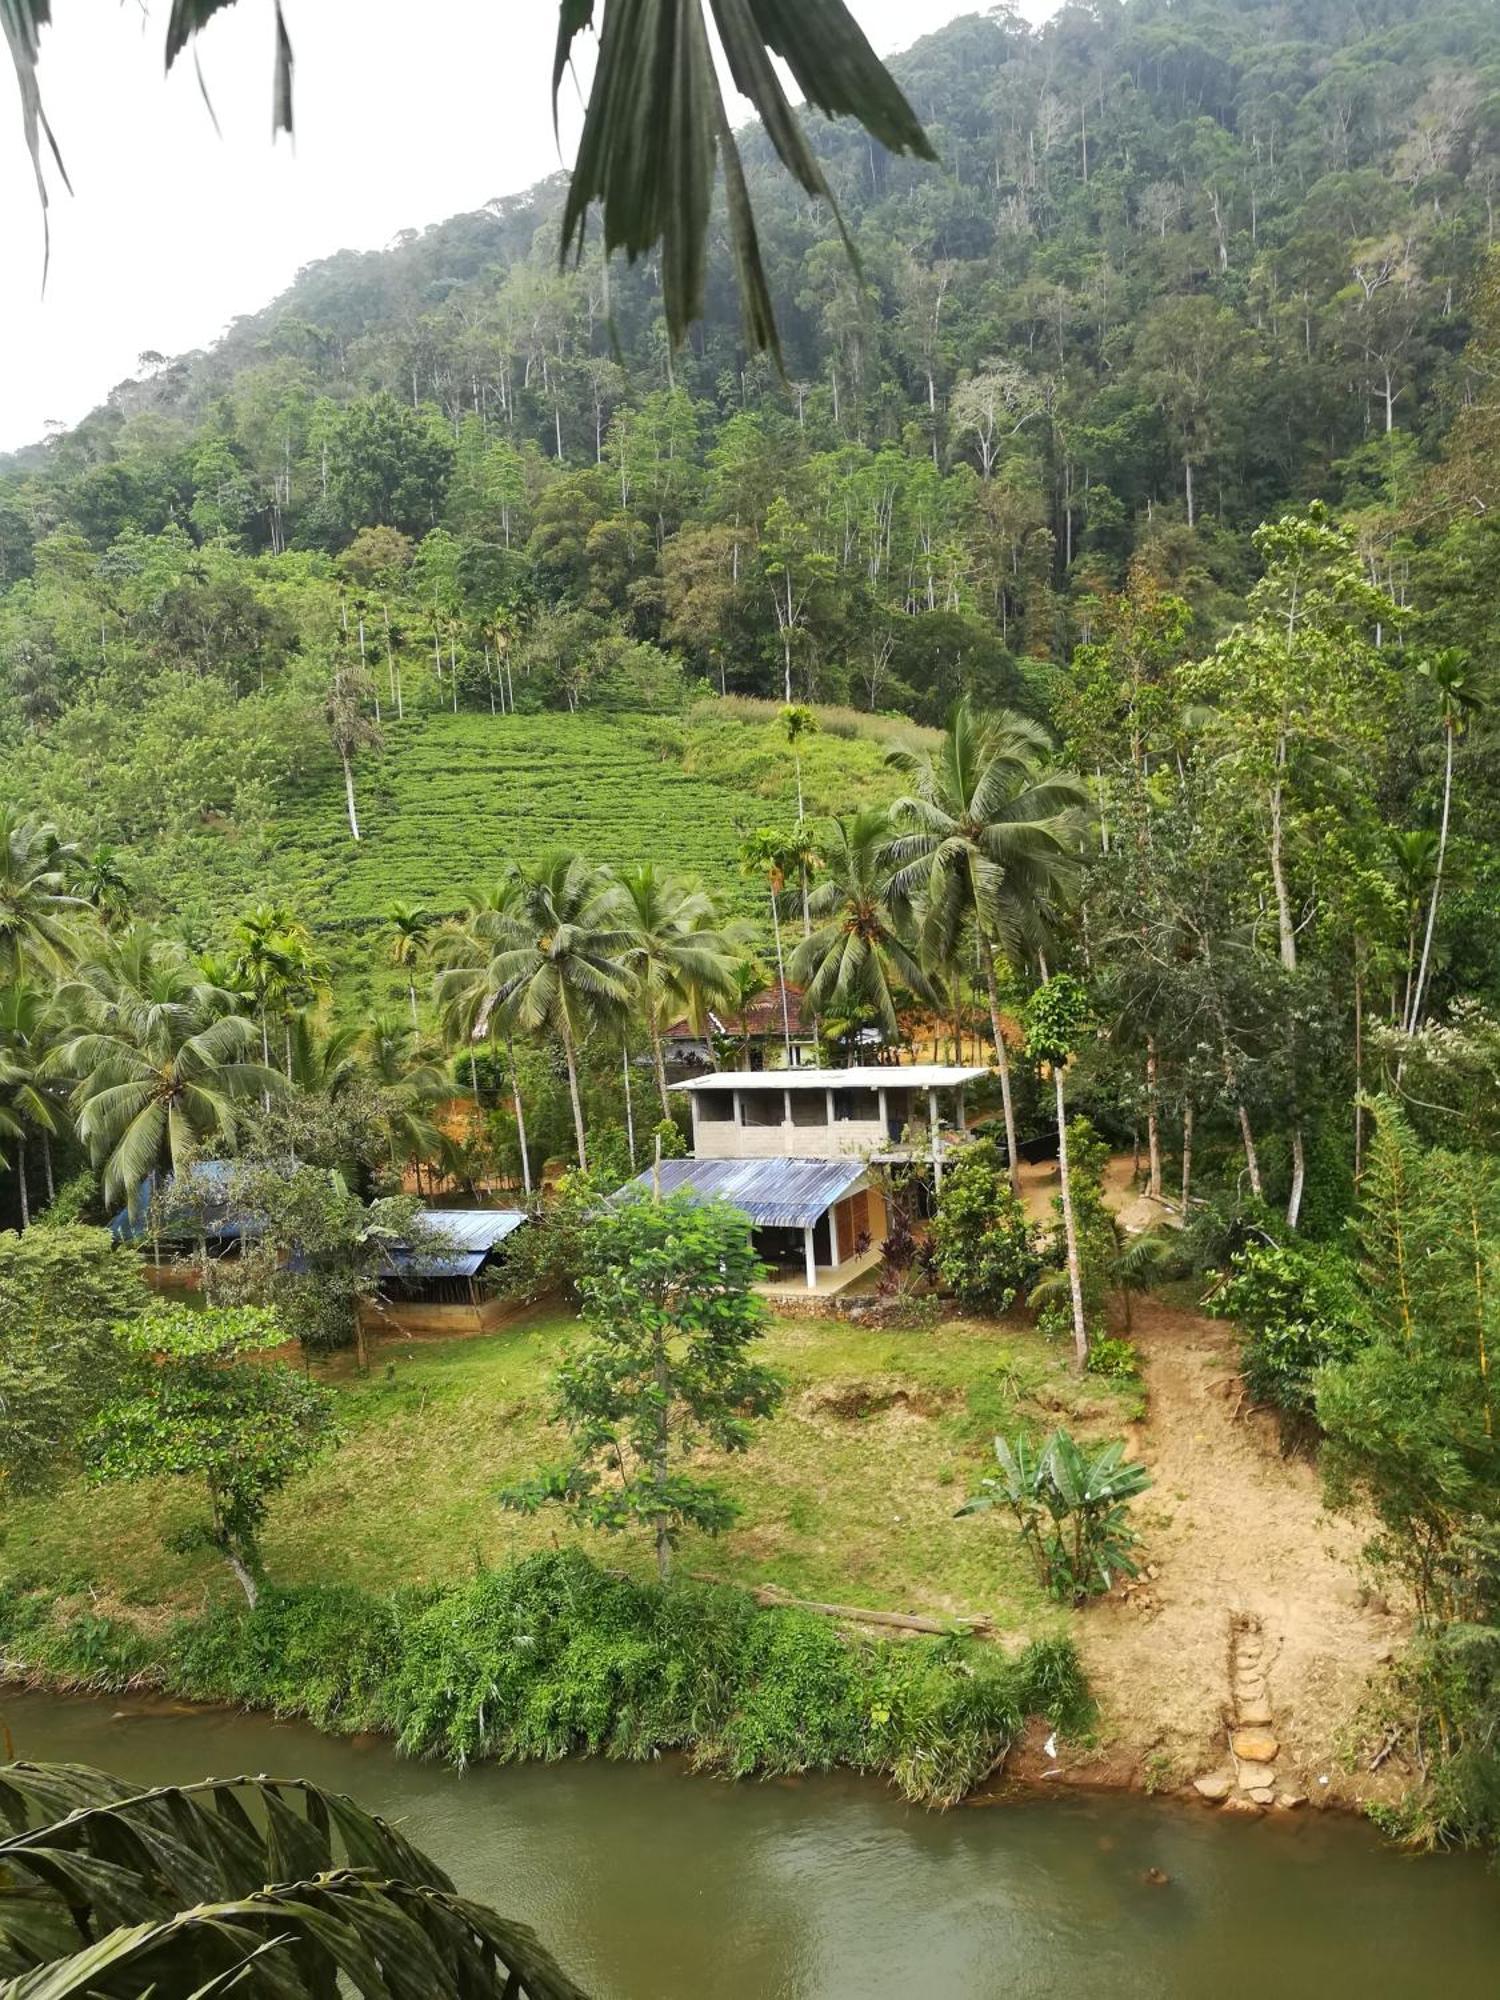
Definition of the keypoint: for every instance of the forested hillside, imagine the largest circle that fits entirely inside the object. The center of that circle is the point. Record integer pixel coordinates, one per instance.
(1179, 267)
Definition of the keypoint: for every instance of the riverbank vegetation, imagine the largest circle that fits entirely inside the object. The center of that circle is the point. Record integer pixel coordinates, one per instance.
(556, 1656)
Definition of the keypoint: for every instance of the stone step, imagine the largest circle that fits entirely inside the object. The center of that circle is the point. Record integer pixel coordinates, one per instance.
(1254, 1746)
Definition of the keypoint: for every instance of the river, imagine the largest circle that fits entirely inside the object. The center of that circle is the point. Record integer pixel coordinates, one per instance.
(651, 1884)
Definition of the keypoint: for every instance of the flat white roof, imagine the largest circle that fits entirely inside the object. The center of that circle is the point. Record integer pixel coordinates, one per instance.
(883, 1076)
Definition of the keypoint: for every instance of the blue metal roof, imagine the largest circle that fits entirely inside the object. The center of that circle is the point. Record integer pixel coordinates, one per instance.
(469, 1234)
(775, 1194)
(206, 1179)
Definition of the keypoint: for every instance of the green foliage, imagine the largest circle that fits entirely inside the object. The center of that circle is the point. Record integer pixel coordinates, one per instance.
(666, 1290)
(1298, 1308)
(1070, 1506)
(1409, 1417)
(557, 1657)
(983, 1248)
(1059, 1014)
(63, 1292)
(197, 1410)
(1117, 1360)
(317, 1250)
(667, 1135)
(271, 1889)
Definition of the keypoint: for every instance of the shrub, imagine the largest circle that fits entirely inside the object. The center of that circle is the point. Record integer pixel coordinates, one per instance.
(1297, 1308)
(1115, 1359)
(984, 1250)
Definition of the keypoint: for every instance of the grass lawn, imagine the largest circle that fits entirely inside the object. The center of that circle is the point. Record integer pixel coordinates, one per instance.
(848, 1493)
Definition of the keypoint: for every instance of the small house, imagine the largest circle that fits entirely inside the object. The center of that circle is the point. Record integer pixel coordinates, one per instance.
(796, 1150)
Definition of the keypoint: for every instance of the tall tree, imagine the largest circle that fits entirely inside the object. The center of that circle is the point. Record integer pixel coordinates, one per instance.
(989, 833)
(548, 956)
(858, 955)
(682, 960)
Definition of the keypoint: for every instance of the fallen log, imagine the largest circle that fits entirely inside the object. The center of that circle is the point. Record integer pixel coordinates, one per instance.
(901, 1621)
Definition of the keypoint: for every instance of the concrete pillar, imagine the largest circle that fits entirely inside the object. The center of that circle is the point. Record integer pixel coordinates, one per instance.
(834, 1258)
(739, 1106)
(937, 1142)
(812, 1258)
(885, 1129)
(788, 1130)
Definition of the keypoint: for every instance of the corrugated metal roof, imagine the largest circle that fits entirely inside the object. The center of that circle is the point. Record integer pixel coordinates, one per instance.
(475, 1228)
(870, 1076)
(207, 1179)
(775, 1194)
(469, 1236)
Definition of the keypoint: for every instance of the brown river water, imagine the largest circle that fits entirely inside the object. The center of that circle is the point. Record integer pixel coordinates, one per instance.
(651, 1884)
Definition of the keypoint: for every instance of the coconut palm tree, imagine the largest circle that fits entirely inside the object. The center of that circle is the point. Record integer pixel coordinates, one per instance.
(548, 954)
(324, 1062)
(682, 961)
(856, 956)
(162, 1064)
(36, 904)
(654, 127)
(100, 881)
(409, 927)
(988, 836)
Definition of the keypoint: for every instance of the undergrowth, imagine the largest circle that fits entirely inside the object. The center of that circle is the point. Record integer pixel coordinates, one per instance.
(556, 1657)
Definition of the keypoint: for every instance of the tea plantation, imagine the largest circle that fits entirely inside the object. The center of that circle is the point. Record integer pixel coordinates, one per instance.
(454, 797)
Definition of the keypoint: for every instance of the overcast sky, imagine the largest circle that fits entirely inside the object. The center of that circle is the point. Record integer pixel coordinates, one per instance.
(405, 115)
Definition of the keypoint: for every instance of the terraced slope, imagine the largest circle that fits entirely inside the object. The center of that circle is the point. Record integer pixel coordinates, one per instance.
(456, 796)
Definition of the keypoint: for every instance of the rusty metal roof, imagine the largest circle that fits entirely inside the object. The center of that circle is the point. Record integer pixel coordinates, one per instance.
(775, 1194)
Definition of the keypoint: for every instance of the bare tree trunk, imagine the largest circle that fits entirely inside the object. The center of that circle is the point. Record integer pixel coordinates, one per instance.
(411, 994)
(515, 1098)
(1070, 1230)
(244, 1576)
(1359, 1060)
(1187, 1154)
(21, 1180)
(47, 1166)
(1252, 1158)
(786, 1012)
(1002, 1062)
(659, 1065)
(1424, 966)
(1153, 1123)
(629, 1101)
(572, 1061)
(349, 793)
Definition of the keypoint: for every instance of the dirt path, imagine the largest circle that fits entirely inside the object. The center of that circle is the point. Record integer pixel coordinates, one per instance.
(1039, 1186)
(1230, 1527)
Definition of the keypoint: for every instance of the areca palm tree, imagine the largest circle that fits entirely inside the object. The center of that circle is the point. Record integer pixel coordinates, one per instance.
(682, 961)
(768, 852)
(856, 955)
(273, 957)
(36, 903)
(27, 1104)
(410, 927)
(411, 1086)
(327, 1061)
(162, 1063)
(548, 954)
(989, 836)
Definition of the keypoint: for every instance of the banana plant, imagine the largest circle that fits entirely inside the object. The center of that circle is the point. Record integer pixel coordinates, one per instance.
(270, 1889)
(1070, 1504)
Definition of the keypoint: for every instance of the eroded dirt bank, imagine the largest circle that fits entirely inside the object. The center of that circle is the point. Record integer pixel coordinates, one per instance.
(1231, 1530)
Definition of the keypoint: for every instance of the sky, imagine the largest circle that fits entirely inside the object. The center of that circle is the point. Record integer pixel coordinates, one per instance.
(174, 229)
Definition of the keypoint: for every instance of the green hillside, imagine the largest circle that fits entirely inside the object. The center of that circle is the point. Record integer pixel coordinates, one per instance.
(454, 797)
